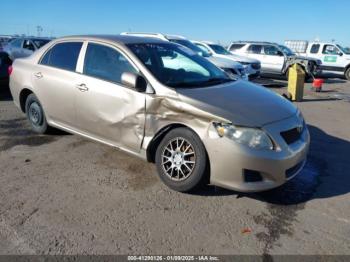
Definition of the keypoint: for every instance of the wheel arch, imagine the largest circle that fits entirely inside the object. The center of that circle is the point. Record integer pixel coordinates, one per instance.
(23, 95)
(158, 137)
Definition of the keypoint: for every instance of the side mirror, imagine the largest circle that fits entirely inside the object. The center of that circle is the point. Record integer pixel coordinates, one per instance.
(340, 54)
(134, 81)
(279, 53)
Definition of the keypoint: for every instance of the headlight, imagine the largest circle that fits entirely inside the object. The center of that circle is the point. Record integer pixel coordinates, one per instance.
(252, 137)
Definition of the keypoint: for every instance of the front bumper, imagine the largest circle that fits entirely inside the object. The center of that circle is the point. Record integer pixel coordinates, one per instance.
(229, 160)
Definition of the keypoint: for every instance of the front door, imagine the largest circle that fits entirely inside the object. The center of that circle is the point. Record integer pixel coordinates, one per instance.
(106, 109)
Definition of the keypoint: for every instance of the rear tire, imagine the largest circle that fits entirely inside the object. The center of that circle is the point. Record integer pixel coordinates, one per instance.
(181, 160)
(35, 115)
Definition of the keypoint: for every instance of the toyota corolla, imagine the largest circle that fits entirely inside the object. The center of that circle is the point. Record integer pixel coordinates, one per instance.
(198, 125)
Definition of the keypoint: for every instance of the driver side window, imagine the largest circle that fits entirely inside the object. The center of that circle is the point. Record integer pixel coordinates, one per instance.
(330, 50)
(270, 50)
(27, 44)
(106, 63)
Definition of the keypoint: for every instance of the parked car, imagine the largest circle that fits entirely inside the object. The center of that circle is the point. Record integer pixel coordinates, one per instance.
(335, 58)
(24, 46)
(5, 62)
(275, 59)
(252, 66)
(232, 68)
(4, 39)
(195, 122)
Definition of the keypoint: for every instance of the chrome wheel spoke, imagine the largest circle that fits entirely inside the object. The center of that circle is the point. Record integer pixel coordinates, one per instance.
(178, 159)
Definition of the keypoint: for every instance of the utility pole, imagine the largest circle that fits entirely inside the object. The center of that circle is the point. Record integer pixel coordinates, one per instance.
(39, 29)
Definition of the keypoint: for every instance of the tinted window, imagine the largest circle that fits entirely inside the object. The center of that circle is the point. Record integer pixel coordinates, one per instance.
(27, 44)
(314, 49)
(63, 55)
(270, 50)
(40, 42)
(255, 49)
(236, 46)
(106, 63)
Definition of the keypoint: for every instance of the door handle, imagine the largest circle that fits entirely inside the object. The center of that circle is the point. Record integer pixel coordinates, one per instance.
(38, 75)
(82, 87)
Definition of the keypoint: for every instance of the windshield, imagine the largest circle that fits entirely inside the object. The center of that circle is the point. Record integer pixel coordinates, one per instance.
(219, 49)
(286, 50)
(344, 50)
(177, 66)
(40, 42)
(191, 46)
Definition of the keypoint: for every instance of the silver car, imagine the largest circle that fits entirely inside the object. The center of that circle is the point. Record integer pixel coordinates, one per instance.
(198, 125)
(23, 47)
(251, 66)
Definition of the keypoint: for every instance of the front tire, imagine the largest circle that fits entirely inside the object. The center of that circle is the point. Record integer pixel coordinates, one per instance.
(181, 160)
(347, 74)
(35, 115)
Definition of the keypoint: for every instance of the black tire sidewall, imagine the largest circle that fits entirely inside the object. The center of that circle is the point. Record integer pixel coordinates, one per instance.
(198, 176)
(347, 74)
(42, 129)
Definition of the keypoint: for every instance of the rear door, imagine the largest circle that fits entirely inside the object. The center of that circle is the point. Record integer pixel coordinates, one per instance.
(273, 58)
(54, 79)
(106, 109)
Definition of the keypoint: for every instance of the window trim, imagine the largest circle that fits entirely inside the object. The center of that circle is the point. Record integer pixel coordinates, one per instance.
(61, 42)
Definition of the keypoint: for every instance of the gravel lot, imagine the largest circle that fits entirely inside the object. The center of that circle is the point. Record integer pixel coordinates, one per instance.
(62, 194)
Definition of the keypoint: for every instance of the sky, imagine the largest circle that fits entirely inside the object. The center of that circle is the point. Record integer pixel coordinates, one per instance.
(220, 21)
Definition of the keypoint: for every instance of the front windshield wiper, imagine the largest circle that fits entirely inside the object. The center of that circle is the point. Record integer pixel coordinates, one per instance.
(208, 82)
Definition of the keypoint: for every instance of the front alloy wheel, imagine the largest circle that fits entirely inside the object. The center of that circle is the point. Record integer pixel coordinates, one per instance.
(181, 160)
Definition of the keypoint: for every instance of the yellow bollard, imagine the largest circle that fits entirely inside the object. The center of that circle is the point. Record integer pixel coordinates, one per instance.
(296, 78)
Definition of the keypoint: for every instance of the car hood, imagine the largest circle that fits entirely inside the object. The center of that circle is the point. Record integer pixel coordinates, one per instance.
(305, 58)
(240, 102)
(224, 62)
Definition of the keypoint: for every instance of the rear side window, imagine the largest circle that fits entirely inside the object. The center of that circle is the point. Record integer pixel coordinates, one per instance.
(255, 49)
(315, 48)
(106, 63)
(236, 46)
(63, 56)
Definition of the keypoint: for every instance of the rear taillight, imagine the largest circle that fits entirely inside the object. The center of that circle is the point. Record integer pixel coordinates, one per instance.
(9, 70)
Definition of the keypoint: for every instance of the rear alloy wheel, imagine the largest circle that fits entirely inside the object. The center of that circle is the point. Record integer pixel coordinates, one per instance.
(347, 74)
(35, 115)
(181, 160)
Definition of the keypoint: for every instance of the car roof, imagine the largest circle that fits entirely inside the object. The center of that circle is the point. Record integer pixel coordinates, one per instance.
(254, 42)
(121, 39)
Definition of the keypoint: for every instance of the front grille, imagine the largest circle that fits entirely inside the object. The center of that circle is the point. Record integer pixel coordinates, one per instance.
(292, 135)
(256, 66)
(291, 171)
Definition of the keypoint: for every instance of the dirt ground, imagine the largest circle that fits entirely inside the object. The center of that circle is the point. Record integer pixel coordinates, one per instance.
(62, 194)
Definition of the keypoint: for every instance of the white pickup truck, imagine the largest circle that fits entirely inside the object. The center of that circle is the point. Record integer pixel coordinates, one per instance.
(334, 57)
